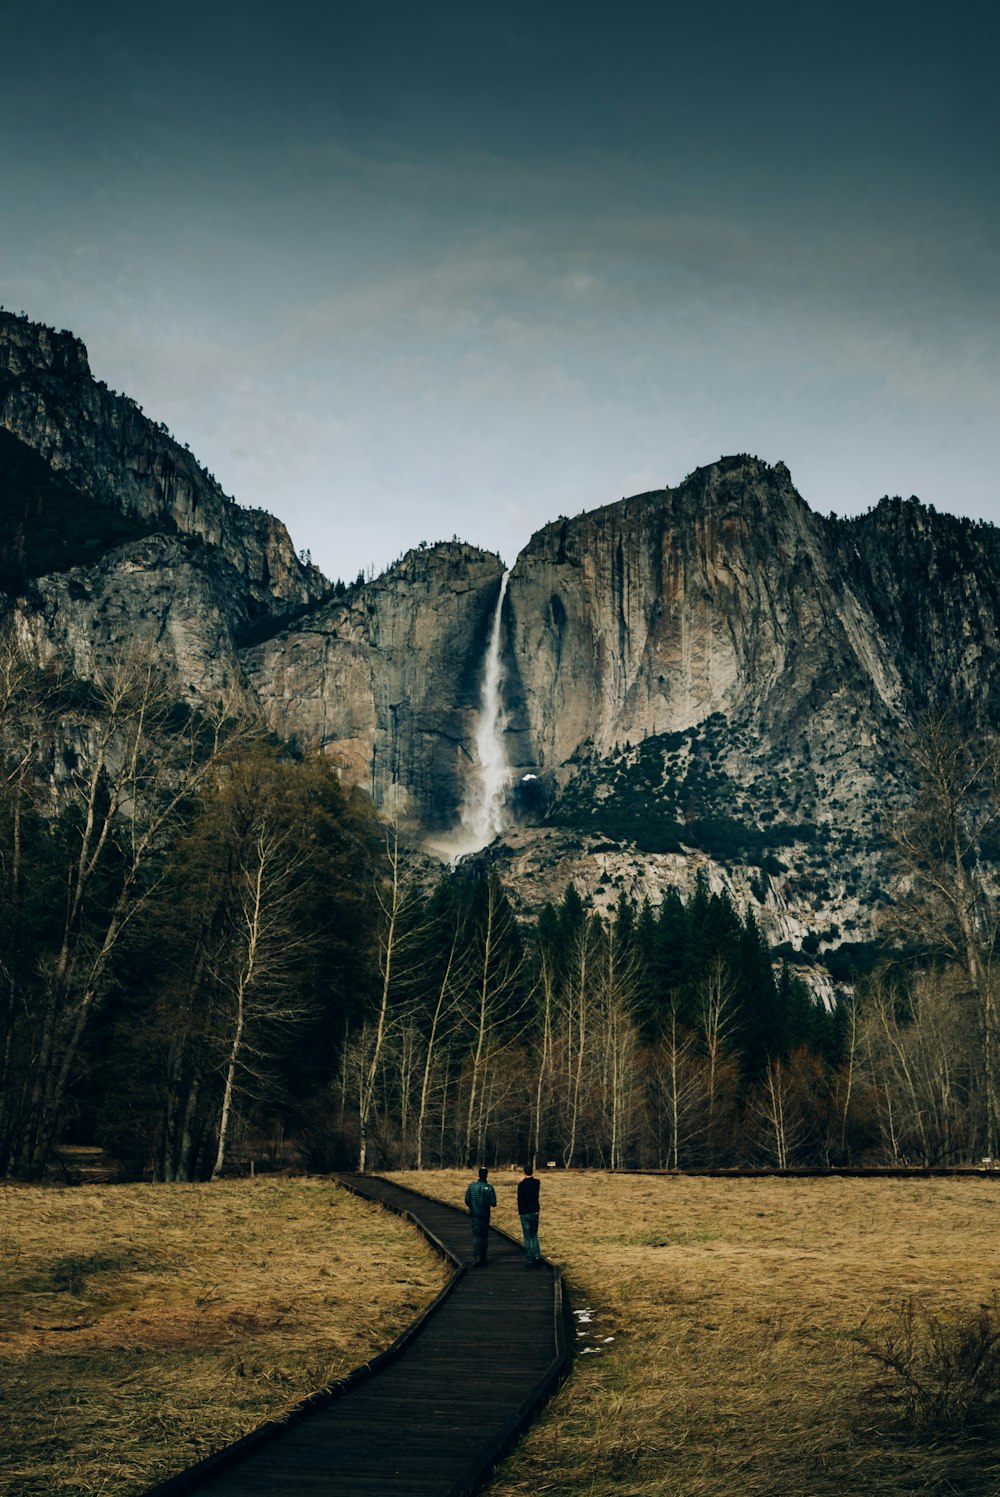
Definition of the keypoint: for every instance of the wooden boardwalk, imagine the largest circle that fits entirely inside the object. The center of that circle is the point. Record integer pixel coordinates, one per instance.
(431, 1416)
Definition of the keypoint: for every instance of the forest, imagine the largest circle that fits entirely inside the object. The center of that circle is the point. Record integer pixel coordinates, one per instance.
(213, 954)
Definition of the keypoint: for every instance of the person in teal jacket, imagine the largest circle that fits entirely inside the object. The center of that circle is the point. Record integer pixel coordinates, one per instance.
(479, 1198)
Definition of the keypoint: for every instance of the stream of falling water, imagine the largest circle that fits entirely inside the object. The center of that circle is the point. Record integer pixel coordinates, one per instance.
(482, 814)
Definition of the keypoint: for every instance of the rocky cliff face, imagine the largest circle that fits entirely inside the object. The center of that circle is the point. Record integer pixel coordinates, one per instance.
(205, 575)
(103, 445)
(706, 678)
(387, 680)
(166, 590)
(931, 584)
(705, 684)
(649, 616)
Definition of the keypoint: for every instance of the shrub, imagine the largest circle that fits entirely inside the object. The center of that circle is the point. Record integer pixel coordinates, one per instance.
(938, 1374)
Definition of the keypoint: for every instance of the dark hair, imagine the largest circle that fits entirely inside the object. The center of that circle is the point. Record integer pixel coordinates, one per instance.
(529, 1169)
(483, 1172)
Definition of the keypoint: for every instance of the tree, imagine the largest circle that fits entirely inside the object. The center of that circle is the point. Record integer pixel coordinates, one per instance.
(917, 1047)
(947, 904)
(393, 937)
(676, 1085)
(718, 1025)
(26, 892)
(145, 757)
(617, 1008)
(259, 959)
(578, 998)
(789, 1106)
(545, 991)
(252, 969)
(493, 999)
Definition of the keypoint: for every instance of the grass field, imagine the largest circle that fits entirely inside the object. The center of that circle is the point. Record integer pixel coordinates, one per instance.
(143, 1326)
(724, 1354)
(739, 1310)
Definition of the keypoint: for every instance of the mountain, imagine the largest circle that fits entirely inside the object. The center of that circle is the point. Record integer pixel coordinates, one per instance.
(711, 677)
(181, 562)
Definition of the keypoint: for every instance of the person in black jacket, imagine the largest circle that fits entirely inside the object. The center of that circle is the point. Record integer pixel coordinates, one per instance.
(527, 1210)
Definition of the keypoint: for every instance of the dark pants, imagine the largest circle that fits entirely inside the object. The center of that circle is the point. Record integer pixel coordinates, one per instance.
(480, 1237)
(529, 1226)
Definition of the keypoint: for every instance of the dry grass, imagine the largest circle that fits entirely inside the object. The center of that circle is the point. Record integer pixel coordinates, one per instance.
(736, 1307)
(143, 1326)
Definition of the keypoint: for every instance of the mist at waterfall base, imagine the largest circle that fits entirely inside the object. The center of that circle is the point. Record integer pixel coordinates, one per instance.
(484, 809)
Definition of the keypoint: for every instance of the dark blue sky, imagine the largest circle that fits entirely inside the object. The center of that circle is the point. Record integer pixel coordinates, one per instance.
(399, 271)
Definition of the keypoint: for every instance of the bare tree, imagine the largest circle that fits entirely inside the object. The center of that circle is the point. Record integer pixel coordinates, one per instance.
(917, 1049)
(676, 1082)
(24, 712)
(493, 999)
(140, 770)
(774, 1105)
(264, 944)
(848, 1071)
(948, 901)
(546, 988)
(392, 935)
(718, 1023)
(444, 1001)
(619, 1042)
(403, 933)
(578, 1000)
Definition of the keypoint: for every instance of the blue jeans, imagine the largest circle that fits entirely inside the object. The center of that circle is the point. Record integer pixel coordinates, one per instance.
(529, 1226)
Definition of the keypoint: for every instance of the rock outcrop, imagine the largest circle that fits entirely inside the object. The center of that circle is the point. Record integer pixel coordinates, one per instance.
(722, 596)
(387, 679)
(169, 591)
(206, 575)
(930, 583)
(103, 444)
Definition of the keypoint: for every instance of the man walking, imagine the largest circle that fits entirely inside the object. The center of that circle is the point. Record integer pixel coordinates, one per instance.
(527, 1210)
(479, 1197)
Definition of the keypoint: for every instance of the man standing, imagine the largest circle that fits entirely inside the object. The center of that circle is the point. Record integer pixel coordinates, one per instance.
(527, 1210)
(479, 1197)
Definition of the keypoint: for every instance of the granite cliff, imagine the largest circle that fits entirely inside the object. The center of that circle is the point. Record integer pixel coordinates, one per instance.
(387, 679)
(215, 569)
(711, 677)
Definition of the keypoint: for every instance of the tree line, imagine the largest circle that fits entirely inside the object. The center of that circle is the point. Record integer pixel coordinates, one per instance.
(211, 952)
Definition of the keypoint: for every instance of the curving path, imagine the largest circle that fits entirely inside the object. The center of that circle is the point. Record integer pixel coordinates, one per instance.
(431, 1416)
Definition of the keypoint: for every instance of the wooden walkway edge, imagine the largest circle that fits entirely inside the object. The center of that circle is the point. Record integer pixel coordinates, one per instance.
(431, 1415)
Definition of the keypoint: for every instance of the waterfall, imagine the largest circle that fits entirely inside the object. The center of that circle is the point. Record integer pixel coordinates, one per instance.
(482, 815)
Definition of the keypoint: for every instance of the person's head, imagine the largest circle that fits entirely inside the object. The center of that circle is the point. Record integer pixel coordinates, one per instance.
(528, 1169)
(483, 1172)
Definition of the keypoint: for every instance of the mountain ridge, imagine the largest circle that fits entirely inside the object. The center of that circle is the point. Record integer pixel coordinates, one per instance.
(706, 678)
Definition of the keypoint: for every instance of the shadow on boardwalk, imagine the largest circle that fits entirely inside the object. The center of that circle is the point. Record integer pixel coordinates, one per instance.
(432, 1415)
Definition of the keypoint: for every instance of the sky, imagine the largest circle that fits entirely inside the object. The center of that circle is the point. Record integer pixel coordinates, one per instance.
(398, 272)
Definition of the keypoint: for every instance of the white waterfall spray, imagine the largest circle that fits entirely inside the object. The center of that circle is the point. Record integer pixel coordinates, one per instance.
(482, 815)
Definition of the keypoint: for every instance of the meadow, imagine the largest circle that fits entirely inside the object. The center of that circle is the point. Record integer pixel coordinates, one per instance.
(766, 1337)
(142, 1326)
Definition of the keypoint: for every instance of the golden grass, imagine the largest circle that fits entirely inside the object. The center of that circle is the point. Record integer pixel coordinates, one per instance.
(143, 1326)
(734, 1307)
